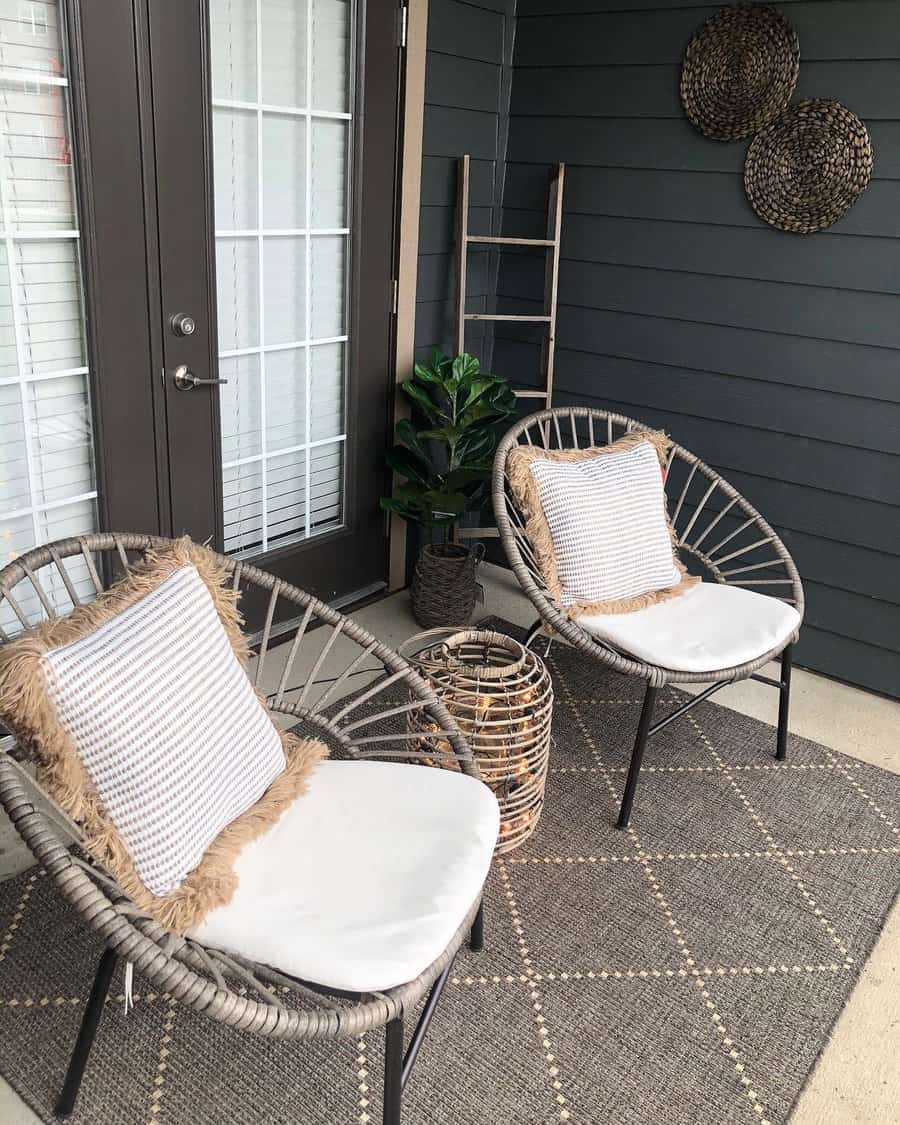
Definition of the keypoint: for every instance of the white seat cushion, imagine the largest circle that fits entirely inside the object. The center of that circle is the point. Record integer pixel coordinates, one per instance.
(709, 628)
(362, 884)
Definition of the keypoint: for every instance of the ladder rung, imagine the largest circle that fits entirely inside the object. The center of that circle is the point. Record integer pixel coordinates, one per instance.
(530, 394)
(477, 533)
(496, 316)
(496, 240)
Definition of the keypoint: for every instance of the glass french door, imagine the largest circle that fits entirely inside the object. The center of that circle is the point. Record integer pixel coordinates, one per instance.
(48, 484)
(220, 177)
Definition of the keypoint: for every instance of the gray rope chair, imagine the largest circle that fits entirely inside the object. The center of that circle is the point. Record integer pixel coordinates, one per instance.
(49, 581)
(718, 534)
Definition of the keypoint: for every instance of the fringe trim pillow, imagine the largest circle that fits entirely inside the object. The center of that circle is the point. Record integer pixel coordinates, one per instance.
(148, 733)
(598, 525)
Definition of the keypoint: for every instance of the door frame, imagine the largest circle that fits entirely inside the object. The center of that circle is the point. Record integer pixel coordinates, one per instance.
(411, 145)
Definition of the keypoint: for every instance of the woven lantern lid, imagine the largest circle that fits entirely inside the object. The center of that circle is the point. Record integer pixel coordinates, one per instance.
(806, 169)
(739, 71)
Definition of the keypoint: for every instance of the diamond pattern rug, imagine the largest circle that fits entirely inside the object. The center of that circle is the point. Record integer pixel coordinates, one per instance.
(688, 970)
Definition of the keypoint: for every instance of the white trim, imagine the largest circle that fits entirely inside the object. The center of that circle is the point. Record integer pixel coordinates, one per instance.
(255, 349)
(41, 376)
(48, 235)
(289, 110)
(50, 506)
(273, 454)
(20, 357)
(260, 242)
(286, 232)
(35, 77)
(307, 301)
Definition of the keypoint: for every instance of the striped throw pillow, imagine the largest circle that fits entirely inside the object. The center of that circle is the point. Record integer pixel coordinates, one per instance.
(598, 525)
(149, 733)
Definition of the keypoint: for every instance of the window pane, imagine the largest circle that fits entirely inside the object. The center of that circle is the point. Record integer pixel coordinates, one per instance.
(327, 391)
(47, 477)
(285, 288)
(235, 171)
(286, 399)
(328, 294)
(284, 53)
(239, 406)
(284, 172)
(331, 55)
(328, 176)
(233, 34)
(237, 281)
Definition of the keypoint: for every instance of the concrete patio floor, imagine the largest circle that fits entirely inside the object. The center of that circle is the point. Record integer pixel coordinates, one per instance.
(858, 1077)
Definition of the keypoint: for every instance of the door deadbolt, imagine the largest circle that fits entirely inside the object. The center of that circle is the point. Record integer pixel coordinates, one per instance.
(183, 324)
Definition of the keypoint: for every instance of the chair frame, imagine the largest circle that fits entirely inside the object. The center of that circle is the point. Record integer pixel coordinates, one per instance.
(227, 988)
(690, 484)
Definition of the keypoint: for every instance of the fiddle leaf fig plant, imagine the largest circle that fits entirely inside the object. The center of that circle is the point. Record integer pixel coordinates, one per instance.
(445, 462)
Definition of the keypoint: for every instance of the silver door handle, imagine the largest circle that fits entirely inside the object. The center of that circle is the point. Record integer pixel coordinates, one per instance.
(185, 380)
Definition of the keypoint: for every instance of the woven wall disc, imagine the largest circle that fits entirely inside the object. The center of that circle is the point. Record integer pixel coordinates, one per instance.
(805, 170)
(739, 71)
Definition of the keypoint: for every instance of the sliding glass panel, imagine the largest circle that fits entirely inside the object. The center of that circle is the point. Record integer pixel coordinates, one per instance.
(281, 98)
(48, 485)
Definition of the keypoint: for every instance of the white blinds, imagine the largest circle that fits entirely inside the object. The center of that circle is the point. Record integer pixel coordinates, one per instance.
(281, 137)
(47, 482)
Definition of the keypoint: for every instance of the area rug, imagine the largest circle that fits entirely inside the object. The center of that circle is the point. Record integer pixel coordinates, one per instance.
(686, 971)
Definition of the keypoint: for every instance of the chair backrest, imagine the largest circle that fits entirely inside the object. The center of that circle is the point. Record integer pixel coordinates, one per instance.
(713, 523)
(332, 675)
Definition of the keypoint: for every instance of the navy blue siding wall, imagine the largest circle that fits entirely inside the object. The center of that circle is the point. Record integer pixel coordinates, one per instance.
(773, 356)
(466, 104)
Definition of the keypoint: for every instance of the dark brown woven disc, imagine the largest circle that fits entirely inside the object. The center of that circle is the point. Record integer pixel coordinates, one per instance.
(739, 71)
(805, 170)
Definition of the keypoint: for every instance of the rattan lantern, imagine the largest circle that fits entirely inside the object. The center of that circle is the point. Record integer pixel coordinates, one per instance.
(499, 692)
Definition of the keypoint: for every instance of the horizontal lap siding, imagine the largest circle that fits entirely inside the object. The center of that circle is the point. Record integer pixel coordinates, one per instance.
(775, 357)
(466, 98)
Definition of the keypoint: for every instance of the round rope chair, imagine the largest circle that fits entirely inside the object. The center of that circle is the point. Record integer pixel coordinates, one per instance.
(48, 582)
(715, 528)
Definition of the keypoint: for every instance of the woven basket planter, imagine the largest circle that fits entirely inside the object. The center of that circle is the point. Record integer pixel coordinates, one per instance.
(805, 170)
(500, 694)
(739, 71)
(444, 589)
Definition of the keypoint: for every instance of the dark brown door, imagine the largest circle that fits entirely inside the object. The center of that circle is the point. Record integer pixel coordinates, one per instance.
(252, 151)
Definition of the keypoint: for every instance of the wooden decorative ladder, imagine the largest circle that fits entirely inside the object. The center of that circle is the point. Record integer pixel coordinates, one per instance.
(551, 273)
(551, 280)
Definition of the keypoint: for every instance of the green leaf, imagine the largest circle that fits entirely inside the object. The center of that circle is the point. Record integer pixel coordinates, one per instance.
(408, 464)
(427, 375)
(422, 399)
(465, 367)
(407, 433)
(477, 387)
(446, 502)
(446, 434)
(440, 362)
(475, 445)
(465, 474)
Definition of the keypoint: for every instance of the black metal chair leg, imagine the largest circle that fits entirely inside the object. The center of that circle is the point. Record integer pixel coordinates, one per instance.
(476, 937)
(534, 632)
(784, 702)
(637, 754)
(89, 1021)
(393, 1071)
